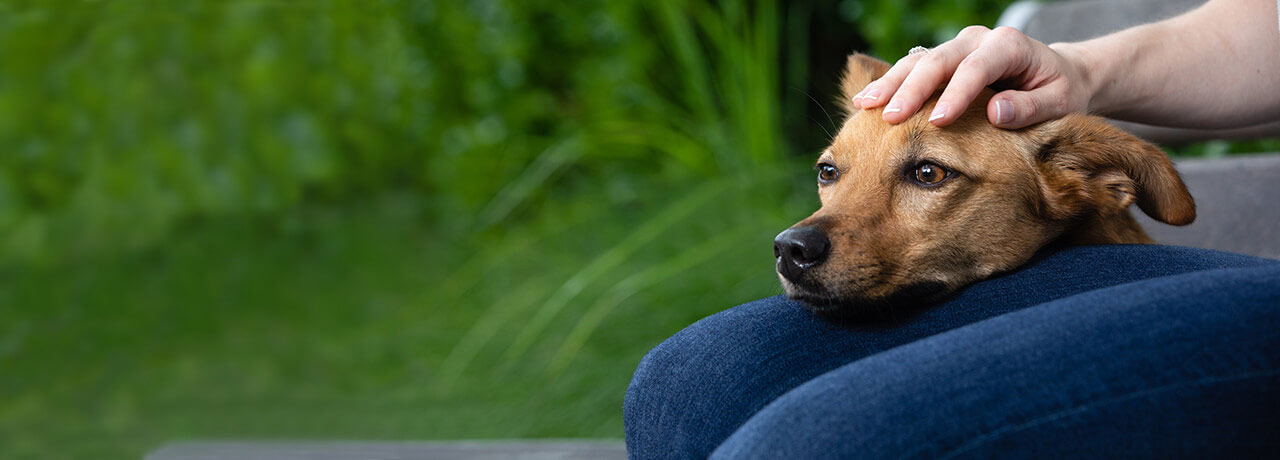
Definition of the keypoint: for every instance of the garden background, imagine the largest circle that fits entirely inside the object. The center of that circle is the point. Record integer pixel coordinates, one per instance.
(395, 219)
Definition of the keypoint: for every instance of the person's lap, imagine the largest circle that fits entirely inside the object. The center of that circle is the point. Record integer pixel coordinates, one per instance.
(701, 385)
(1186, 365)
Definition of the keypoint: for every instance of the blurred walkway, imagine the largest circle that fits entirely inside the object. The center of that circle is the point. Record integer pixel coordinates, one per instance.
(558, 449)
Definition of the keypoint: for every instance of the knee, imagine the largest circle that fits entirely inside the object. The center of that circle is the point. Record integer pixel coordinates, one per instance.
(711, 346)
(667, 380)
(660, 407)
(655, 376)
(643, 402)
(686, 392)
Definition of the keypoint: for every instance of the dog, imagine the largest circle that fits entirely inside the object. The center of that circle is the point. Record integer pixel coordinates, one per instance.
(913, 213)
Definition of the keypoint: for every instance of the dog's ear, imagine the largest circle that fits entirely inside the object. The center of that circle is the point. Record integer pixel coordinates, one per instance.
(859, 70)
(1088, 165)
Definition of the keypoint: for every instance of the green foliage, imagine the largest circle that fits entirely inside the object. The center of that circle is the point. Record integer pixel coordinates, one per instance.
(126, 118)
(893, 27)
(227, 218)
(1219, 148)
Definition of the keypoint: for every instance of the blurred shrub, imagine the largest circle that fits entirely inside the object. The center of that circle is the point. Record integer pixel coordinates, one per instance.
(123, 118)
(893, 27)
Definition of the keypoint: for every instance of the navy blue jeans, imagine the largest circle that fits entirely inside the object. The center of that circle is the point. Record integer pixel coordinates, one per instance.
(1102, 351)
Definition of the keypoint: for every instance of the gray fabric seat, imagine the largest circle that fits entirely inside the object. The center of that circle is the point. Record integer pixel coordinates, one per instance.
(1237, 206)
(1237, 198)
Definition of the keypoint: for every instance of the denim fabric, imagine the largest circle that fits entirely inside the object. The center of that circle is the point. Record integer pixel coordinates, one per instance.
(1047, 360)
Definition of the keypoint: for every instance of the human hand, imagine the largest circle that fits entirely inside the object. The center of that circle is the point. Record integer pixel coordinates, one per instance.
(1046, 82)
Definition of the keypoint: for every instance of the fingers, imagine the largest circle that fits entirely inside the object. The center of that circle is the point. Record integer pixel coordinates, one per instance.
(935, 68)
(932, 70)
(975, 59)
(999, 57)
(1018, 109)
(915, 77)
(876, 93)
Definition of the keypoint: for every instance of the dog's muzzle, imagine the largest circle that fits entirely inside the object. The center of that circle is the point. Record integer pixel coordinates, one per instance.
(798, 249)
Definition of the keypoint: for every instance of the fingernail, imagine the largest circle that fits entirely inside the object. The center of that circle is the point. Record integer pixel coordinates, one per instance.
(894, 106)
(1004, 111)
(871, 95)
(939, 111)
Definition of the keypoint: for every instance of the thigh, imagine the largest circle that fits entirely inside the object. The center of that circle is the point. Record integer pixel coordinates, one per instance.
(692, 391)
(1180, 365)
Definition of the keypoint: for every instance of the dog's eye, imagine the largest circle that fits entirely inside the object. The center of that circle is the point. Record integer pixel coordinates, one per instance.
(930, 174)
(827, 173)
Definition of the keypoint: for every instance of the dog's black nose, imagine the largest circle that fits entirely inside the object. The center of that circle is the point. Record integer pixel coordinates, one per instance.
(796, 249)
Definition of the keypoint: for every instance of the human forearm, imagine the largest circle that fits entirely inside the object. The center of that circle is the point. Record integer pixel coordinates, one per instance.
(1215, 67)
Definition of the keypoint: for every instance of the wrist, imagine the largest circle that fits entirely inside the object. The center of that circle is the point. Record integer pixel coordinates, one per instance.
(1087, 73)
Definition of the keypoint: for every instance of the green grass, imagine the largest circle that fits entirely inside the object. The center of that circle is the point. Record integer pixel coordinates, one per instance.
(362, 320)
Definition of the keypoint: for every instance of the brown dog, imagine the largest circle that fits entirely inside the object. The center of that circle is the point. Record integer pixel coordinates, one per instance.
(914, 212)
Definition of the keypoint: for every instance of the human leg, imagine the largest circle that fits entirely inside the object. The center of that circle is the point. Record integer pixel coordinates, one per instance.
(1180, 365)
(698, 387)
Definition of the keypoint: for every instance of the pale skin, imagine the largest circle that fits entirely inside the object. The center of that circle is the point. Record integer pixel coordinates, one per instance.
(1217, 67)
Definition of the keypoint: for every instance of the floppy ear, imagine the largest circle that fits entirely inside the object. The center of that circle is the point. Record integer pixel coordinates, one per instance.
(1087, 165)
(859, 70)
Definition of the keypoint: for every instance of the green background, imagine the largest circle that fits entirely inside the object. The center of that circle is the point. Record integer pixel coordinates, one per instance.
(394, 219)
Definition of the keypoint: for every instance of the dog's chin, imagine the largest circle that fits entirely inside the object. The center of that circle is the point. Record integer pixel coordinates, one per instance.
(814, 296)
(854, 305)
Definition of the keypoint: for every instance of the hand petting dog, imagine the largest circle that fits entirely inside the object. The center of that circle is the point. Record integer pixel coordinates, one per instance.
(912, 212)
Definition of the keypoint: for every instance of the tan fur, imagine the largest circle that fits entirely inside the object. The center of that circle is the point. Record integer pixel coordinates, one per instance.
(1068, 181)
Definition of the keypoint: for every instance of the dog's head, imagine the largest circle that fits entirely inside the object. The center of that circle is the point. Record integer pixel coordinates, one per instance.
(914, 212)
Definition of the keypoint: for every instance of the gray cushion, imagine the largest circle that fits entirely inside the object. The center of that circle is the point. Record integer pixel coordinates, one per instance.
(1078, 20)
(1237, 206)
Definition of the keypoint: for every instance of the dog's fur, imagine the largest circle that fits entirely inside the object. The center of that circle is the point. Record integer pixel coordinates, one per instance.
(1064, 182)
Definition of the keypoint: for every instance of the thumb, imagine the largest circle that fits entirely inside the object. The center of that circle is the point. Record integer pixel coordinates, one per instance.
(1015, 109)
